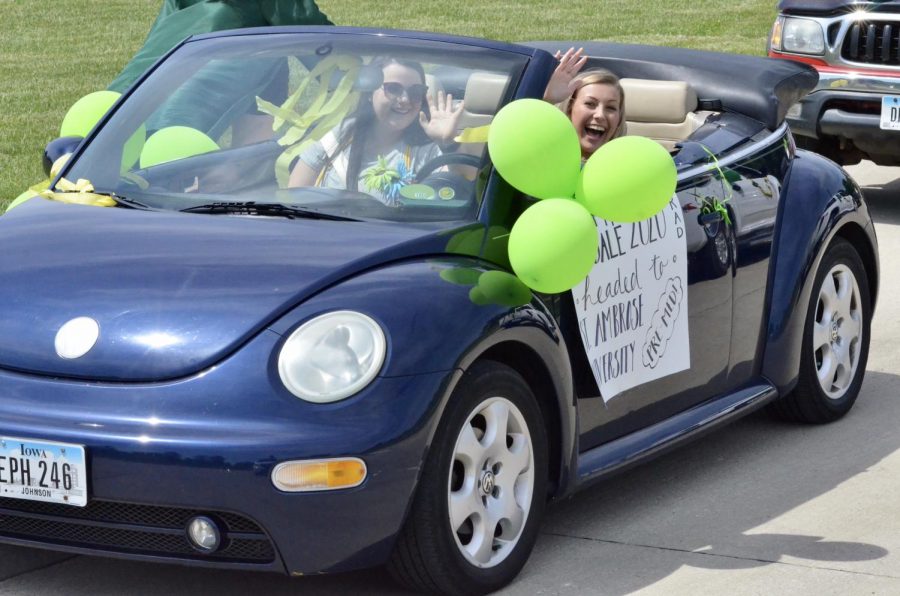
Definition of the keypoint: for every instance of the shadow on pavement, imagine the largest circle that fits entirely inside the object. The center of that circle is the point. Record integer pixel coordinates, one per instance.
(707, 498)
(884, 202)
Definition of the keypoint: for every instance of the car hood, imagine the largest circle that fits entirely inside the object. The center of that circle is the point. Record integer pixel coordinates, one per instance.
(834, 6)
(172, 292)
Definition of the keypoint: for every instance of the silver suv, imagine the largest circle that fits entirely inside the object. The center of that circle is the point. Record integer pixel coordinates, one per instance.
(854, 111)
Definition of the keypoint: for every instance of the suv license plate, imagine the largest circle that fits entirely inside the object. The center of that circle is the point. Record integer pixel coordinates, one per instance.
(43, 471)
(890, 112)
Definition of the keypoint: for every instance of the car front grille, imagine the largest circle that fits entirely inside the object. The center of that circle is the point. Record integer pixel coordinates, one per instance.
(132, 529)
(873, 42)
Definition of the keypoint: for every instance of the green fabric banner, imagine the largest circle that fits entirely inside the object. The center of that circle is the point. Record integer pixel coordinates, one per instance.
(179, 19)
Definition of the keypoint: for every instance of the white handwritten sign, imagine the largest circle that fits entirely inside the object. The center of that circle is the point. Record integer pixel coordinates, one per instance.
(632, 307)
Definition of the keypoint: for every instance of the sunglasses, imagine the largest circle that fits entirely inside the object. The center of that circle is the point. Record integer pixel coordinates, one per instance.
(415, 93)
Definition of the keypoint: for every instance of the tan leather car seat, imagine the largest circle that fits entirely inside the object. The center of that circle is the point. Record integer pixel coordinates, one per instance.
(665, 111)
(434, 84)
(484, 91)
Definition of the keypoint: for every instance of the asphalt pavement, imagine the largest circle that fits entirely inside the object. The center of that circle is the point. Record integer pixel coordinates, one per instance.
(760, 507)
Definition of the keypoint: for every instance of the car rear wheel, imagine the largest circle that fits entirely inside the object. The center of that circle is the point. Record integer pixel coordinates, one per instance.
(482, 492)
(835, 340)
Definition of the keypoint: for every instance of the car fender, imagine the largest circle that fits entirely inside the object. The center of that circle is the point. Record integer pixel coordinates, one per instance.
(819, 201)
(436, 319)
(547, 369)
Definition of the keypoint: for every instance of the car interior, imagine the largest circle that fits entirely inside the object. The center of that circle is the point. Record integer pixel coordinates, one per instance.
(665, 111)
(668, 111)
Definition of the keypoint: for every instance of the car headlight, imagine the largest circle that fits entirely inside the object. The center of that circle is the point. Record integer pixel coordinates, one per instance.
(332, 356)
(802, 36)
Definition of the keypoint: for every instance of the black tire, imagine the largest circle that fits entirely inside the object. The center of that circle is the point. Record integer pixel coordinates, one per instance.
(429, 554)
(810, 401)
(716, 253)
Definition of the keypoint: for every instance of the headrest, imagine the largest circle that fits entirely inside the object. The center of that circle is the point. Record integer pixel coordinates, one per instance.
(658, 101)
(484, 90)
(434, 85)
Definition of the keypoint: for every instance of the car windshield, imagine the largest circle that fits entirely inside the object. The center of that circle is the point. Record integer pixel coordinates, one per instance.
(339, 126)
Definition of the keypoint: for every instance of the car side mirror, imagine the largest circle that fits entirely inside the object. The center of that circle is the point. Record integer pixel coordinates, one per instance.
(58, 148)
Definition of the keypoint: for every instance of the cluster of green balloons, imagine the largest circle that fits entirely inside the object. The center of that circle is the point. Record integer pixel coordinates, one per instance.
(166, 144)
(78, 122)
(553, 244)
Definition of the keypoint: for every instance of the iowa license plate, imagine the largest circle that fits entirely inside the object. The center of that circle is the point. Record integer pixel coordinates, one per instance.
(890, 112)
(43, 471)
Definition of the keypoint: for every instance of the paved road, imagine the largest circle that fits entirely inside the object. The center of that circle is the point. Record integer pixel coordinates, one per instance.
(758, 508)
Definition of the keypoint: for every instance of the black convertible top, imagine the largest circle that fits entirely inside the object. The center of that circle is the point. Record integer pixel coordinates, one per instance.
(836, 6)
(762, 88)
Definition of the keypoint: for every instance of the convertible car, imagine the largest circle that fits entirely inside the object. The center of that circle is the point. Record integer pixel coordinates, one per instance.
(203, 364)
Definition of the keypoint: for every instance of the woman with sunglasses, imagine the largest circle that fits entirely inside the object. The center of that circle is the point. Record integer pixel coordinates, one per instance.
(393, 133)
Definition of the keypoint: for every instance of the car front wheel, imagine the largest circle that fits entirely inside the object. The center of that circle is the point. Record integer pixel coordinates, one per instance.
(835, 340)
(482, 492)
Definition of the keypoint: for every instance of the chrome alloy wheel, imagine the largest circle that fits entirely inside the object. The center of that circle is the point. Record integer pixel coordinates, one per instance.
(837, 331)
(491, 482)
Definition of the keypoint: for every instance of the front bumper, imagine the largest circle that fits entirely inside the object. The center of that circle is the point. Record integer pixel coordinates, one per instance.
(159, 453)
(848, 106)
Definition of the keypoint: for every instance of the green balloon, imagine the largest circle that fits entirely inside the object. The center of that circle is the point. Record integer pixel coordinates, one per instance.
(535, 148)
(175, 142)
(133, 147)
(553, 245)
(461, 276)
(628, 179)
(504, 289)
(490, 244)
(496, 246)
(466, 242)
(86, 113)
(478, 297)
(28, 194)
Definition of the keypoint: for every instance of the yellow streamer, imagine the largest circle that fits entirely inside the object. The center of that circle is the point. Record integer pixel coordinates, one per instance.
(136, 180)
(478, 134)
(40, 186)
(324, 112)
(282, 164)
(77, 193)
(326, 65)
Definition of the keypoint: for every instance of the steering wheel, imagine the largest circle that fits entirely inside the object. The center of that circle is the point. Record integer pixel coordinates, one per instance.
(463, 159)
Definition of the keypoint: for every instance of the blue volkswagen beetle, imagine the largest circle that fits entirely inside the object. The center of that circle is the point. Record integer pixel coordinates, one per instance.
(205, 362)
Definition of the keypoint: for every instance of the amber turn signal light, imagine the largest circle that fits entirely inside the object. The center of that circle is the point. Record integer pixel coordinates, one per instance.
(319, 474)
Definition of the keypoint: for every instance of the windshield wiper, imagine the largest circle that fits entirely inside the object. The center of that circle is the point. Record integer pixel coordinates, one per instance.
(264, 209)
(126, 201)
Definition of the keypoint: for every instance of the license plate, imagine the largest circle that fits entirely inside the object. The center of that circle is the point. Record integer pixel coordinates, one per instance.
(43, 471)
(890, 112)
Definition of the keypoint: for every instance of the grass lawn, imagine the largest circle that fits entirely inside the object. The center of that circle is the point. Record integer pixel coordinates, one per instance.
(53, 52)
